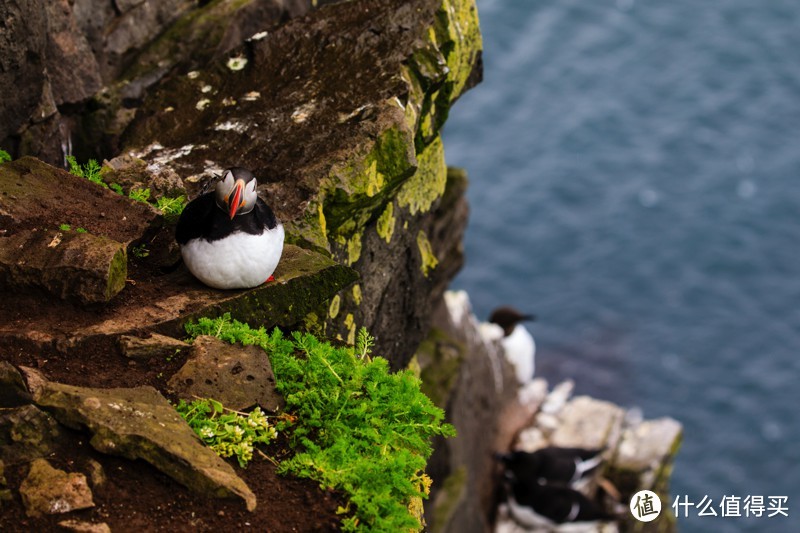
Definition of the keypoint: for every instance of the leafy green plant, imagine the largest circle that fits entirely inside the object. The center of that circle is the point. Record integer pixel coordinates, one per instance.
(90, 171)
(67, 227)
(141, 251)
(4, 156)
(356, 426)
(171, 207)
(140, 195)
(227, 432)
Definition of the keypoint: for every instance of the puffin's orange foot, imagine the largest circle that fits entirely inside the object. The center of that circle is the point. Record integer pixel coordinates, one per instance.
(271, 278)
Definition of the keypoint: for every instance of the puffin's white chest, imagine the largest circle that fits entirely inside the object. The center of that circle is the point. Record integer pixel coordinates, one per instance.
(520, 351)
(239, 261)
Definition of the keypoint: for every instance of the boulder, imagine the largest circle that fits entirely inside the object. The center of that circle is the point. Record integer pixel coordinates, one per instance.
(237, 376)
(27, 433)
(35, 195)
(139, 423)
(48, 490)
(589, 423)
(13, 391)
(69, 265)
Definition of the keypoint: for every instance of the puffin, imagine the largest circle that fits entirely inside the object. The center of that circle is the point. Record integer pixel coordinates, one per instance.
(553, 465)
(229, 237)
(518, 344)
(536, 505)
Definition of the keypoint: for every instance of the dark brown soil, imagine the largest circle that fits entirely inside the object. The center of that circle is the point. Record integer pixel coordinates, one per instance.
(136, 497)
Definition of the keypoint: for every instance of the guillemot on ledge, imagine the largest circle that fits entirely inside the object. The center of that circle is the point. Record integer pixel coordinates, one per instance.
(518, 343)
(229, 237)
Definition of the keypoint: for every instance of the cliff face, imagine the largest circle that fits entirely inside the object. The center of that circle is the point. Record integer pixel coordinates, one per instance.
(338, 112)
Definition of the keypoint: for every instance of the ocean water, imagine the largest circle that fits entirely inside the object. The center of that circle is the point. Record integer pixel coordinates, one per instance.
(635, 182)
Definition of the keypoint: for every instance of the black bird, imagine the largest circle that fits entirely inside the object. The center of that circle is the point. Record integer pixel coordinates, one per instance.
(229, 237)
(538, 488)
(537, 506)
(564, 467)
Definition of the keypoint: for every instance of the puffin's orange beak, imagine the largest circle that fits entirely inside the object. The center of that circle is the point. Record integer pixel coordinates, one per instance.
(237, 201)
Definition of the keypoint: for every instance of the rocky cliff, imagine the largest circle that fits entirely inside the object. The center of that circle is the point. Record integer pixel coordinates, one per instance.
(337, 109)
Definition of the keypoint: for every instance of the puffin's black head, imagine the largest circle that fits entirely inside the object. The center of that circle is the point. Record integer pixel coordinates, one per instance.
(236, 191)
(508, 317)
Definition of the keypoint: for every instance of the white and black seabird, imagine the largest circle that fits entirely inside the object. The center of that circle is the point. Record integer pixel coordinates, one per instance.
(535, 505)
(552, 508)
(518, 344)
(229, 237)
(564, 467)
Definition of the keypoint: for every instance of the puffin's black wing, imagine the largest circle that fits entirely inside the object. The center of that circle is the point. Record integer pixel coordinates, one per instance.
(264, 214)
(196, 219)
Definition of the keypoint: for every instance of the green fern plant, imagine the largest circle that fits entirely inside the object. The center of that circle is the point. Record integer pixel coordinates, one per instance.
(171, 207)
(4, 156)
(140, 195)
(357, 427)
(90, 170)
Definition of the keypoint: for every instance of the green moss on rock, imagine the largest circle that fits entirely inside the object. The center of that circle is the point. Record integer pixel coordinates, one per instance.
(427, 184)
(429, 260)
(386, 222)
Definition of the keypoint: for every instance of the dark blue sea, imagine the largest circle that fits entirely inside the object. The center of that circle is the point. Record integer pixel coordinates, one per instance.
(635, 182)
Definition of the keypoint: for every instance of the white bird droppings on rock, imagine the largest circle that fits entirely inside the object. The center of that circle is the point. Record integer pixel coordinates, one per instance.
(238, 127)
